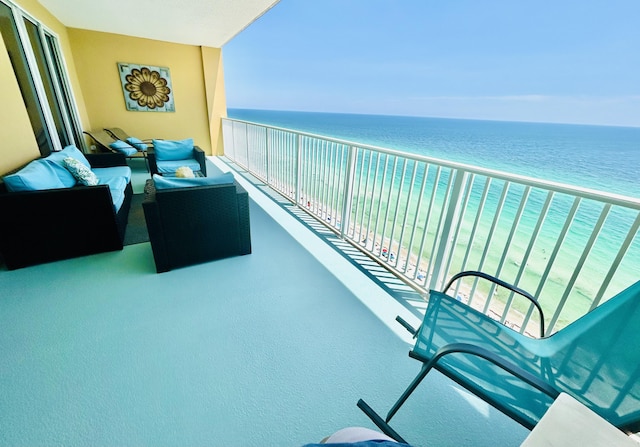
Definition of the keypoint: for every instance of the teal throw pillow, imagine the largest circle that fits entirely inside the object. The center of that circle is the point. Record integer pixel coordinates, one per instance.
(137, 143)
(123, 147)
(81, 172)
(167, 150)
(74, 152)
(56, 161)
(177, 182)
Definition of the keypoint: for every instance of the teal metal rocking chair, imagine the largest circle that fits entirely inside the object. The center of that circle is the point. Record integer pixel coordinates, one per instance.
(595, 359)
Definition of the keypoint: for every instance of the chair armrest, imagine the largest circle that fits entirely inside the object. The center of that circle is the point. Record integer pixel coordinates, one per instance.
(106, 160)
(466, 348)
(501, 283)
(40, 202)
(151, 158)
(41, 226)
(155, 229)
(199, 155)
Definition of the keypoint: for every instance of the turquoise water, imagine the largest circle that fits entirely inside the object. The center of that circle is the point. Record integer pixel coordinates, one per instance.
(595, 157)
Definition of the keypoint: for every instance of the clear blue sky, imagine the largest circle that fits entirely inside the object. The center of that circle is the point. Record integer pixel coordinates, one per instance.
(520, 60)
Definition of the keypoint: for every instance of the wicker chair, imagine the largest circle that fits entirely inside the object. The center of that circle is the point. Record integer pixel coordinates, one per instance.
(198, 156)
(198, 224)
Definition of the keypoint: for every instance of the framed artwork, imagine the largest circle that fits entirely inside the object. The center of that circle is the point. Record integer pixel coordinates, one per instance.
(146, 88)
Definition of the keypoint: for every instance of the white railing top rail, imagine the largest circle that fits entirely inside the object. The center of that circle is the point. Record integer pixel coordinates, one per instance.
(614, 199)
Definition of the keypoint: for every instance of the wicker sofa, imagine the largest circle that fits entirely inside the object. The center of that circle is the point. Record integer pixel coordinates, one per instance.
(44, 225)
(191, 225)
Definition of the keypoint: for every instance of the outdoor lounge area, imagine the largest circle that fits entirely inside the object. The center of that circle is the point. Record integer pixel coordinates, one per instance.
(125, 321)
(268, 349)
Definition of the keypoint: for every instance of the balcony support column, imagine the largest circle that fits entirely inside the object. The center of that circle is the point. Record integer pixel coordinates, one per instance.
(452, 213)
(348, 190)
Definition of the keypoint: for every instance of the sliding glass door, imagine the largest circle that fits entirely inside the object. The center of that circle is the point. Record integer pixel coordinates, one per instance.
(41, 75)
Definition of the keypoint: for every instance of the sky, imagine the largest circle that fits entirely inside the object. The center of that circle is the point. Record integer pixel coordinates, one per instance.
(561, 61)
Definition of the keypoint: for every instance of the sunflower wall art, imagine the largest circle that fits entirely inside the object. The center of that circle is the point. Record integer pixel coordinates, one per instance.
(146, 88)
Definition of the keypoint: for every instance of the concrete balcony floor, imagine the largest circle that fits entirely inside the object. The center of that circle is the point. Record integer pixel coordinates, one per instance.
(270, 349)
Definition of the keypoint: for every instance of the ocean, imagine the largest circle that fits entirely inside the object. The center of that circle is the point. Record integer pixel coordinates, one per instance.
(595, 157)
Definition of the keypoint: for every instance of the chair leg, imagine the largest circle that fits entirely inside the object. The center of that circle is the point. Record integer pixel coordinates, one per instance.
(410, 389)
(380, 423)
(146, 162)
(383, 424)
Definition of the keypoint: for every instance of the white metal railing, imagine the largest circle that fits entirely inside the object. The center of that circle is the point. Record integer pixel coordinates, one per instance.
(426, 219)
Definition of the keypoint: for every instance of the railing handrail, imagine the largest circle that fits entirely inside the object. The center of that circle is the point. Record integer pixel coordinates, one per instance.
(586, 193)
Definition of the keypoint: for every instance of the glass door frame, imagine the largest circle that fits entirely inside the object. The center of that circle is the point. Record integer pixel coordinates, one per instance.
(59, 74)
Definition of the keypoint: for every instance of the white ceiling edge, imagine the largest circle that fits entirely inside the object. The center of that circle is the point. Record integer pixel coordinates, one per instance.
(210, 23)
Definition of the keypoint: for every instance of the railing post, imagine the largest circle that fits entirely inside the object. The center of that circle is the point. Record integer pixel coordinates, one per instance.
(348, 190)
(226, 144)
(439, 270)
(246, 143)
(267, 138)
(232, 148)
(298, 167)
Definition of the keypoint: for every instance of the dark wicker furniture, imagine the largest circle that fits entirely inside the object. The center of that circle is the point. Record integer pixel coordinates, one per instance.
(54, 224)
(198, 155)
(198, 224)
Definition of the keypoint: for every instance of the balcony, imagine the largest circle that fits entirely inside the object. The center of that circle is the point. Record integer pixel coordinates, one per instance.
(274, 348)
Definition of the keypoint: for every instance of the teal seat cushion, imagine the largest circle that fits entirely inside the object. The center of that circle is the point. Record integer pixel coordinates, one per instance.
(105, 174)
(137, 143)
(123, 147)
(169, 167)
(117, 178)
(175, 182)
(117, 187)
(35, 176)
(167, 150)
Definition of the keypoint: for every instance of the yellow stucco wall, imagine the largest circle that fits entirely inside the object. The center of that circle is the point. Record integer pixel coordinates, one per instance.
(96, 55)
(216, 98)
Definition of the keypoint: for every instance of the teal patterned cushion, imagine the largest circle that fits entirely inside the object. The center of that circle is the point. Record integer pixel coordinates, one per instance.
(81, 172)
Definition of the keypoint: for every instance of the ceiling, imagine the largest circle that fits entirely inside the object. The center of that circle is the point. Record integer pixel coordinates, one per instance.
(210, 23)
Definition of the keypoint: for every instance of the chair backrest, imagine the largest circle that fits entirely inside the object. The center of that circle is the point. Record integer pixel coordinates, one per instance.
(596, 359)
(200, 223)
(117, 133)
(102, 139)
